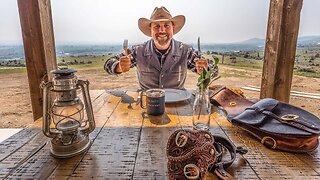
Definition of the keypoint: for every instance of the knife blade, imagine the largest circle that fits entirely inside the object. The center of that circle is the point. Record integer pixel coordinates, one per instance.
(125, 47)
(199, 48)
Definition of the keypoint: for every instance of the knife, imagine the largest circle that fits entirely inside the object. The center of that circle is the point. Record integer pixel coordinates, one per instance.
(199, 48)
(125, 47)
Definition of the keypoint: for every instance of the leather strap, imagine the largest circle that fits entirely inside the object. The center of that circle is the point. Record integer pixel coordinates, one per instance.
(294, 123)
(219, 168)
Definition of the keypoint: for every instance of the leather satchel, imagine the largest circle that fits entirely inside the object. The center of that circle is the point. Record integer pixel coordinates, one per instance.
(280, 125)
(232, 101)
(191, 154)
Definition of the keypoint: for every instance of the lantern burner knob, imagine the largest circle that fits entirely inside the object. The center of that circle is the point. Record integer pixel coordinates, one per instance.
(63, 72)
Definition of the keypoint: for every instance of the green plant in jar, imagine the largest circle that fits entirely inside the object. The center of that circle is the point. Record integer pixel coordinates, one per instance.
(207, 77)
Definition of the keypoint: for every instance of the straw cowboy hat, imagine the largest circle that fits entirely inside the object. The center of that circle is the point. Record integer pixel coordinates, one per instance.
(161, 14)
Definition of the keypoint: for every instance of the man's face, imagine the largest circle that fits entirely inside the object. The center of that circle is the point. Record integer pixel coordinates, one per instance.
(162, 33)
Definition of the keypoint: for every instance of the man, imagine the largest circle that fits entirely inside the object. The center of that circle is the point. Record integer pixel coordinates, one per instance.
(161, 62)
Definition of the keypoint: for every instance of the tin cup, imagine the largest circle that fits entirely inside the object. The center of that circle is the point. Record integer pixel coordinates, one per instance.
(155, 101)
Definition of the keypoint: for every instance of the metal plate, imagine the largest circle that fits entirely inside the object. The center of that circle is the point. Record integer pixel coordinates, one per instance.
(176, 95)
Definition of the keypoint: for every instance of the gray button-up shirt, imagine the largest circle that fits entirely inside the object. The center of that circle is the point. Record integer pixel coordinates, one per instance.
(152, 73)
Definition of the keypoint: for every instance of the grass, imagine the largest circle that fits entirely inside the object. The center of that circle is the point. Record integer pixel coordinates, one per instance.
(235, 73)
(82, 62)
(12, 70)
(239, 62)
(303, 65)
(308, 74)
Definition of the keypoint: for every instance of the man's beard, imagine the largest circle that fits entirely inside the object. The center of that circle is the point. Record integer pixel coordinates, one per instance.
(163, 41)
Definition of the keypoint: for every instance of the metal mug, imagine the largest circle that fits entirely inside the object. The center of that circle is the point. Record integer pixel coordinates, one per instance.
(155, 101)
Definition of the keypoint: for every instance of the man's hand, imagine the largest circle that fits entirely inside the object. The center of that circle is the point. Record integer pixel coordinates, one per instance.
(124, 65)
(200, 64)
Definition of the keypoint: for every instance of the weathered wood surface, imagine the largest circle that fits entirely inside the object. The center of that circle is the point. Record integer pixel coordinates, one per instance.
(23, 146)
(129, 145)
(280, 49)
(39, 46)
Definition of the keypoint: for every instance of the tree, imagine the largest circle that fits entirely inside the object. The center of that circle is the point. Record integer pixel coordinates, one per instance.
(222, 59)
(233, 59)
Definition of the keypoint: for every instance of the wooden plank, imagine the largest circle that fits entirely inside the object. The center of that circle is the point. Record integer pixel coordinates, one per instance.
(30, 155)
(280, 49)
(16, 141)
(267, 163)
(151, 162)
(10, 164)
(39, 46)
(37, 166)
(128, 146)
(101, 106)
(113, 152)
(312, 159)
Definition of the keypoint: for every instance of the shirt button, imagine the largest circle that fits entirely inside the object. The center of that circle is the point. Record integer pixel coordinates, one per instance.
(162, 75)
(162, 86)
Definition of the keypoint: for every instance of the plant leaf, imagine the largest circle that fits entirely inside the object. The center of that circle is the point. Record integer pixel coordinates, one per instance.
(203, 74)
(208, 75)
(205, 78)
(216, 61)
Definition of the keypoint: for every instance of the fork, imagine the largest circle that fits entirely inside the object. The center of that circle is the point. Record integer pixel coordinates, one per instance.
(125, 47)
(199, 48)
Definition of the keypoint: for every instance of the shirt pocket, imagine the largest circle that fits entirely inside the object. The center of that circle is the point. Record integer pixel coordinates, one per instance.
(149, 78)
(178, 74)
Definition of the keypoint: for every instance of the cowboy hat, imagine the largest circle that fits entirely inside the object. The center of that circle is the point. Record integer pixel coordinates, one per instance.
(161, 14)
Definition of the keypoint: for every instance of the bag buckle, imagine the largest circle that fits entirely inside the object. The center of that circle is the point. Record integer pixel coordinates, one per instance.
(264, 139)
(181, 138)
(289, 117)
(232, 103)
(191, 171)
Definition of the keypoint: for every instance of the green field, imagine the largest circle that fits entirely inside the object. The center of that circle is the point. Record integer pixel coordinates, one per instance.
(307, 62)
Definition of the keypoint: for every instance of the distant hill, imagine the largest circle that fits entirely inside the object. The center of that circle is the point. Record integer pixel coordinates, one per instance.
(304, 40)
(15, 51)
(309, 40)
(254, 41)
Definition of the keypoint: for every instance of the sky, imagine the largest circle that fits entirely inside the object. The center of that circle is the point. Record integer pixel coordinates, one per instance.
(106, 21)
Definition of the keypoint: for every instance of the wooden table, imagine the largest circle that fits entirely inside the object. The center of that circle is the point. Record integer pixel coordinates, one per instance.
(126, 145)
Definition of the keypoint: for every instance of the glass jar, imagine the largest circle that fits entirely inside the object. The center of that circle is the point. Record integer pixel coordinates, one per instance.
(201, 110)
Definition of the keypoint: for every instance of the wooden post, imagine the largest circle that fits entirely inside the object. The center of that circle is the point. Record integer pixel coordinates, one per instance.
(39, 46)
(280, 49)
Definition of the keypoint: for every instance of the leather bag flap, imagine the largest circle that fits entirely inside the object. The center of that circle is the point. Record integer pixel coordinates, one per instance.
(269, 116)
(251, 117)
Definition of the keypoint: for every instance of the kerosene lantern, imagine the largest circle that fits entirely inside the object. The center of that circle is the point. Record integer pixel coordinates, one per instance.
(66, 119)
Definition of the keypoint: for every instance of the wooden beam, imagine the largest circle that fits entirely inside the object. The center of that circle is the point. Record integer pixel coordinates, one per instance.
(280, 49)
(39, 46)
